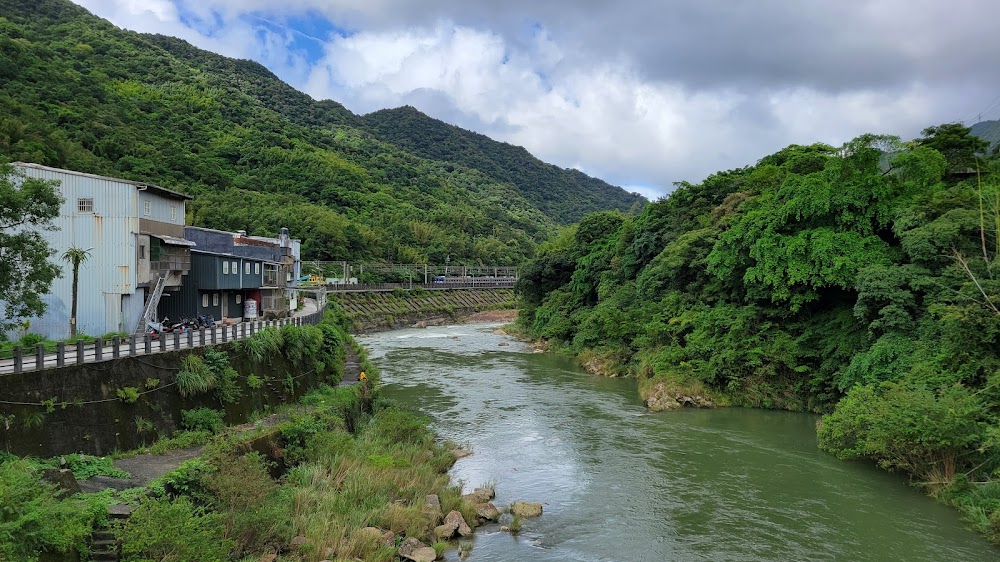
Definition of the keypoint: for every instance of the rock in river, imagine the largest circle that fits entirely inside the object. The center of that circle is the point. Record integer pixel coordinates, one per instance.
(526, 509)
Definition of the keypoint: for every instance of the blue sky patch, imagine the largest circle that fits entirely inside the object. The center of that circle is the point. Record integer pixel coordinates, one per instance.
(309, 32)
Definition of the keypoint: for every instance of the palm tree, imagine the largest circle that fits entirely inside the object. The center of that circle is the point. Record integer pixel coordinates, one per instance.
(75, 256)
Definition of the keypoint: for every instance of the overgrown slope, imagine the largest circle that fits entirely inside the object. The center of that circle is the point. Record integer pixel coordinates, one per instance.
(79, 93)
(566, 195)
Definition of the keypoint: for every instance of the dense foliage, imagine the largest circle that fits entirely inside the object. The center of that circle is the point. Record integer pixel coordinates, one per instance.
(860, 281)
(82, 94)
(27, 209)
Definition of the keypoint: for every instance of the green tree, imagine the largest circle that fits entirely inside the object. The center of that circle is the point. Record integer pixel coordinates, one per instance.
(27, 207)
(75, 256)
(956, 142)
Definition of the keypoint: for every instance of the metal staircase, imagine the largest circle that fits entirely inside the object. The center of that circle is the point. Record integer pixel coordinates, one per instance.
(151, 303)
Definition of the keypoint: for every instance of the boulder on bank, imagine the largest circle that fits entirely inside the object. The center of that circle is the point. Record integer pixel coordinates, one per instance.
(297, 543)
(412, 549)
(662, 397)
(479, 495)
(63, 478)
(526, 509)
(460, 453)
(370, 534)
(487, 512)
(445, 531)
(453, 522)
(432, 508)
(425, 554)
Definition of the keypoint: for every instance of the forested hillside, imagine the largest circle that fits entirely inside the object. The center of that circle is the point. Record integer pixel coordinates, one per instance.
(79, 93)
(861, 281)
(989, 131)
(566, 195)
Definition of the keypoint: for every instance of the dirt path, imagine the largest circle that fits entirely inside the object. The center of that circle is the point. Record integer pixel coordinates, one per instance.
(143, 468)
(148, 467)
(352, 367)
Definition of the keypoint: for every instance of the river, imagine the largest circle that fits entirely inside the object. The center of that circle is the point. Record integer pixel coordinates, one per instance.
(620, 484)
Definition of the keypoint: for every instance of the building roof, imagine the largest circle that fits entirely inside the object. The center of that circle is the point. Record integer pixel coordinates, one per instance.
(141, 185)
(233, 256)
(173, 240)
(254, 241)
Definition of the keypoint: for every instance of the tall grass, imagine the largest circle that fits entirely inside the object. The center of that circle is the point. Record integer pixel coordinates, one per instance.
(262, 345)
(195, 376)
(337, 463)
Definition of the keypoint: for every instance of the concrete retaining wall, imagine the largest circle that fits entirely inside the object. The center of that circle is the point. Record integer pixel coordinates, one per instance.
(85, 414)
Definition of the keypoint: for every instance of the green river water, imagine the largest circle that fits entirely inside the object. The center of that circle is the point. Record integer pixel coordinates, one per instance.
(618, 483)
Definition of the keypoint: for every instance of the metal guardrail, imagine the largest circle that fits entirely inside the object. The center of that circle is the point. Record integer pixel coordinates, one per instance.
(81, 352)
(443, 286)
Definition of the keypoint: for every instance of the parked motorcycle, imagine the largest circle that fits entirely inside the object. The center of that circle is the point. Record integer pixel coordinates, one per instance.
(154, 329)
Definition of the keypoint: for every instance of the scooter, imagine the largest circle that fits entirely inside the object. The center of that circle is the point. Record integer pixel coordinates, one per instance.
(154, 329)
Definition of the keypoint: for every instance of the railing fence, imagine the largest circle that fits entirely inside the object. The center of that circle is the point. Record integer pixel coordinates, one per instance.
(99, 350)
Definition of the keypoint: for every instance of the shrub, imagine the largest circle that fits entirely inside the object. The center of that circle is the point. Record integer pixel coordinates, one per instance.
(128, 394)
(254, 382)
(161, 529)
(29, 341)
(186, 480)
(195, 377)
(301, 342)
(907, 426)
(142, 425)
(33, 520)
(261, 345)
(182, 440)
(202, 419)
(256, 509)
(86, 466)
(228, 389)
(393, 425)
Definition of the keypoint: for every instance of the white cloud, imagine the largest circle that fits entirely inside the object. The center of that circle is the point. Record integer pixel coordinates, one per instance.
(635, 101)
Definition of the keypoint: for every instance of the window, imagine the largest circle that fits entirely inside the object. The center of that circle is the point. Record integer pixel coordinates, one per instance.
(142, 251)
(236, 268)
(239, 298)
(246, 268)
(204, 300)
(215, 299)
(147, 208)
(173, 213)
(85, 205)
(256, 269)
(225, 268)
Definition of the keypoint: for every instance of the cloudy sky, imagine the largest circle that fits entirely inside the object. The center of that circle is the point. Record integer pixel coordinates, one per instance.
(641, 93)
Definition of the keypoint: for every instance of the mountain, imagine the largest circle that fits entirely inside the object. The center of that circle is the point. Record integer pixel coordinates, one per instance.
(988, 131)
(82, 94)
(565, 195)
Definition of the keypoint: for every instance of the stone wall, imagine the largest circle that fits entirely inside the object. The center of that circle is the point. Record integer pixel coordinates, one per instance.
(375, 311)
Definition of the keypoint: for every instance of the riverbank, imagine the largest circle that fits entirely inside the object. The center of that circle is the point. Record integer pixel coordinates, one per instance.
(370, 312)
(620, 484)
(304, 482)
(661, 392)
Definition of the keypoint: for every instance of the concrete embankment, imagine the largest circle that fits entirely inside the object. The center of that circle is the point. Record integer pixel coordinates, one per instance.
(372, 312)
(99, 408)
